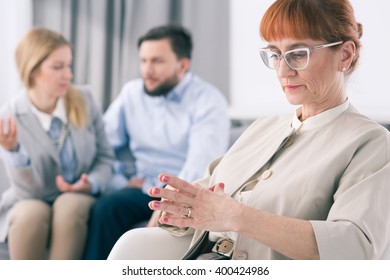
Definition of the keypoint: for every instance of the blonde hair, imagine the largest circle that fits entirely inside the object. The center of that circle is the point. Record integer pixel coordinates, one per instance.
(34, 47)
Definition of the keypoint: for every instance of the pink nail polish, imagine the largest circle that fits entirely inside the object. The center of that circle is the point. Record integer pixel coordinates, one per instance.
(156, 191)
(165, 220)
(156, 205)
(165, 179)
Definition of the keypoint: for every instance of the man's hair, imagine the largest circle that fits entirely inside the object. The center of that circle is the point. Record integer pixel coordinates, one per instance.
(179, 37)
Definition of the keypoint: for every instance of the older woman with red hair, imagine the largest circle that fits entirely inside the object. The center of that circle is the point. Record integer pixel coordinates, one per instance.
(311, 185)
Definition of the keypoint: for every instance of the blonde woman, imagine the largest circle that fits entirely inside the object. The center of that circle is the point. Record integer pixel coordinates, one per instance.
(54, 149)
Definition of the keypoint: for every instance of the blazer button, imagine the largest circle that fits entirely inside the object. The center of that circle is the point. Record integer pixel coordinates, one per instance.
(240, 255)
(266, 174)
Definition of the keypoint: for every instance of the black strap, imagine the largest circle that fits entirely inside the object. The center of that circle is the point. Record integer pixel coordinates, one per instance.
(202, 246)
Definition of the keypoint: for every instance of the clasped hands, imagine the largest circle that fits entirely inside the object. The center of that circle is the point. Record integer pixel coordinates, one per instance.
(191, 205)
(82, 185)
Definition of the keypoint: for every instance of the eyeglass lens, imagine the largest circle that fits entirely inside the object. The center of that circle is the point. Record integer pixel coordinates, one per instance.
(296, 59)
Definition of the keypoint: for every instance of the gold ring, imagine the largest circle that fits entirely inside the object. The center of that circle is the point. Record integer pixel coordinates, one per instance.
(186, 213)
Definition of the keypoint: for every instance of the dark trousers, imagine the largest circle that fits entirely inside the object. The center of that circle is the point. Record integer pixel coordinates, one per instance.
(111, 216)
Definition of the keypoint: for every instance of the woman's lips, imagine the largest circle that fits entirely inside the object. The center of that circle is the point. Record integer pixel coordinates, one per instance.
(291, 88)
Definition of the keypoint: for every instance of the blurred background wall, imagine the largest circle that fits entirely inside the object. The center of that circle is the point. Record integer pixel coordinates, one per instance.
(255, 90)
(104, 34)
(15, 18)
(226, 41)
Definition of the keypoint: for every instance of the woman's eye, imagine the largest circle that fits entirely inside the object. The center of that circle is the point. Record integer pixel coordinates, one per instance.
(297, 55)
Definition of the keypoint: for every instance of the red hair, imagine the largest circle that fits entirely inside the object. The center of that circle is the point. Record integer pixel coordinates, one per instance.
(324, 20)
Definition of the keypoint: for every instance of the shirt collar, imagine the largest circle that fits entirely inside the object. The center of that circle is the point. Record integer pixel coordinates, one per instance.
(45, 119)
(319, 119)
(177, 92)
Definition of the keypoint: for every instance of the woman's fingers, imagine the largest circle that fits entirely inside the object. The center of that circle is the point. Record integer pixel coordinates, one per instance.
(219, 188)
(178, 183)
(8, 134)
(171, 195)
(184, 204)
(12, 131)
(177, 221)
(165, 206)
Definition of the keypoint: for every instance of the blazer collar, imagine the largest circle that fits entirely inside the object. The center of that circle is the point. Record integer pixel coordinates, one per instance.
(282, 130)
(31, 124)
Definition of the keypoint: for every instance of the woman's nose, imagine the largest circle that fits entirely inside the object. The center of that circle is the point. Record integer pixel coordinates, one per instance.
(284, 70)
(68, 73)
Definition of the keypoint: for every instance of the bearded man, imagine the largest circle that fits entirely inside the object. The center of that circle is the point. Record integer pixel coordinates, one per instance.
(170, 120)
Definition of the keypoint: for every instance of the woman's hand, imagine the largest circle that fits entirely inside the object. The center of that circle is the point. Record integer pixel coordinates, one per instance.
(82, 185)
(190, 205)
(153, 219)
(9, 137)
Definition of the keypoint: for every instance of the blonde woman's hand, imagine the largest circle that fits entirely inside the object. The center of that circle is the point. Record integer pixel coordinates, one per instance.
(82, 185)
(9, 136)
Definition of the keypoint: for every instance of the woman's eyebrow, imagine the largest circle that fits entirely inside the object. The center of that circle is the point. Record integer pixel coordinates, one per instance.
(289, 47)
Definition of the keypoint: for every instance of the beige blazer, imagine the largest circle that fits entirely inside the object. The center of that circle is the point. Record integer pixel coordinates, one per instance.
(37, 180)
(337, 176)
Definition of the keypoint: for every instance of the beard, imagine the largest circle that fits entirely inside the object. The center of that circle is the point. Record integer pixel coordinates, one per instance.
(164, 88)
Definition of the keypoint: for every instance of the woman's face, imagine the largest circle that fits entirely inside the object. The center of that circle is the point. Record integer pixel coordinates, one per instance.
(53, 77)
(318, 86)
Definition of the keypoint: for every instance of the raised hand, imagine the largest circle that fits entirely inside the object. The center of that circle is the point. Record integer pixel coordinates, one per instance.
(9, 137)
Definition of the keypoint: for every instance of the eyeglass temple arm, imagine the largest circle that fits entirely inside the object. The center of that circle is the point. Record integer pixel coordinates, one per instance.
(327, 45)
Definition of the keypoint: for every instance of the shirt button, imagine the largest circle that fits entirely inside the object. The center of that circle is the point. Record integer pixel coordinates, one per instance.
(266, 174)
(240, 255)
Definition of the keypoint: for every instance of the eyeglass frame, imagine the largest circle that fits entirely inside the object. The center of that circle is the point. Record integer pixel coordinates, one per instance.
(308, 50)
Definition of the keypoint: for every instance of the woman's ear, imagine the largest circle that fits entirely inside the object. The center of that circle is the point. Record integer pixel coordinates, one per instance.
(348, 49)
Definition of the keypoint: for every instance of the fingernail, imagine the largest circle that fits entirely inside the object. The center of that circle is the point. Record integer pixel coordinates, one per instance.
(221, 185)
(165, 179)
(165, 220)
(156, 191)
(156, 205)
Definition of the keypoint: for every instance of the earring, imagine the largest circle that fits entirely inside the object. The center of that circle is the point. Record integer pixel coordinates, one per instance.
(343, 69)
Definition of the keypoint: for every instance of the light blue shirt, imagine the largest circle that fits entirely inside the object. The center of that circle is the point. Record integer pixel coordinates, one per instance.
(177, 134)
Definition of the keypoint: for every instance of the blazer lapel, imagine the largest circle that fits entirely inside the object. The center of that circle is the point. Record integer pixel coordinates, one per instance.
(78, 139)
(32, 131)
(256, 153)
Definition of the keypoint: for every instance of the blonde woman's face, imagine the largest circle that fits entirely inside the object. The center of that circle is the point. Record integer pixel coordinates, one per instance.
(53, 77)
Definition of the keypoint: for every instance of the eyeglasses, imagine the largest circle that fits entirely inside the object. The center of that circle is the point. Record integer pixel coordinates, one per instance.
(297, 59)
